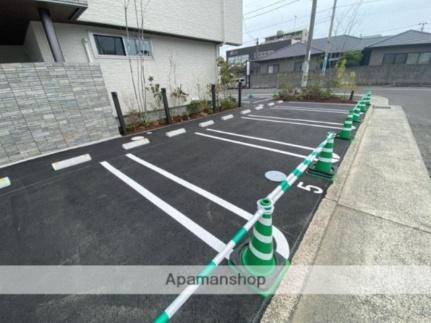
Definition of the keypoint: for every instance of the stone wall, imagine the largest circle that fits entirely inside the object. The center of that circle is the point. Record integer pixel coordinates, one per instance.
(48, 107)
(401, 75)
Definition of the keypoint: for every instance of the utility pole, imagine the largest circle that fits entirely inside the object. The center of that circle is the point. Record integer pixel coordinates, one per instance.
(422, 24)
(306, 65)
(256, 56)
(328, 43)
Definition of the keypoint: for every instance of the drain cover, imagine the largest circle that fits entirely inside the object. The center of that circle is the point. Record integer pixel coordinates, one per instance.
(275, 176)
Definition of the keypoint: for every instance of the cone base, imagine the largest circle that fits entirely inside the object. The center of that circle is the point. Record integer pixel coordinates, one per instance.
(338, 136)
(274, 274)
(314, 172)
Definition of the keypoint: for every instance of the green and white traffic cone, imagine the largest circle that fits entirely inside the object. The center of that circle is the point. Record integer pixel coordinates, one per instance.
(356, 114)
(346, 132)
(323, 167)
(362, 105)
(258, 256)
(367, 101)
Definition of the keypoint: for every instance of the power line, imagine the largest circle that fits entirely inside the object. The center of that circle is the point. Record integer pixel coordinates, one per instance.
(264, 7)
(268, 11)
(318, 12)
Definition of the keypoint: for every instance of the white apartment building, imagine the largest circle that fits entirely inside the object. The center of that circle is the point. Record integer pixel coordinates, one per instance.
(179, 44)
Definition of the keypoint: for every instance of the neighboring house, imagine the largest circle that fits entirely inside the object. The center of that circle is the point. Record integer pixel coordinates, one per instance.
(271, 44)
(291, 58)
(180, 47)
(409, 47)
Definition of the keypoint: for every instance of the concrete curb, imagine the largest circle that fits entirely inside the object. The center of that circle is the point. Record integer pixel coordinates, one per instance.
(282, 306)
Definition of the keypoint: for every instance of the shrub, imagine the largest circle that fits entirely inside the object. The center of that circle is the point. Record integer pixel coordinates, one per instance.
(228, 103)
(134, 120)
(198, 106)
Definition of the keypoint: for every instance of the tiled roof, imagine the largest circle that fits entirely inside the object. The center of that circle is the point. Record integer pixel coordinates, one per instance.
(409, 37)
(338, 44)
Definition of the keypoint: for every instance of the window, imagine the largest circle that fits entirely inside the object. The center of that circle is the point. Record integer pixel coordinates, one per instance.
(110, 45)
(412, 58)
(240, 59)
(273, 69)
(138, 47)
(407, 58)
(394, 58)
(424, 58)
(400, 58)
(297, 67)
(122, 46)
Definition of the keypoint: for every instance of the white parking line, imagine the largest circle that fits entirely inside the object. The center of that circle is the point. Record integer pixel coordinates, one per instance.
(295, 123)
(271, 104)
(322, 103)
(252, 145)
(259, 107)
(229, 116)
(294, 119)
(177, 132)
(310, 110)
(135, 143)
(4, 182)
(206, 123)
(189, 224)
(245, 111)
(259, 101)
(334, 159)
(281, 245)
(71, 162)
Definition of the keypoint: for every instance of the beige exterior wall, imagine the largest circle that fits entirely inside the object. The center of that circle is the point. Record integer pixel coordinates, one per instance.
(215, 20)
(376, 57)
(186, 62)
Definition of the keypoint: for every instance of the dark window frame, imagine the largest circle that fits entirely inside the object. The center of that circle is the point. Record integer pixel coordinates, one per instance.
(103, 52)
(394, 58)
(125, 50)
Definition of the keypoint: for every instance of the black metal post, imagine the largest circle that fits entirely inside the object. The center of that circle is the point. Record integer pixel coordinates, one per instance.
(166, 106)
(51, 36)
(213, 97)
(122, 128)
(352, 94)
(239, 93)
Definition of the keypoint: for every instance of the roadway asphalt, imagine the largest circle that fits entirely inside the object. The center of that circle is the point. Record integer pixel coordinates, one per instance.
(85, 215)
(416, 104)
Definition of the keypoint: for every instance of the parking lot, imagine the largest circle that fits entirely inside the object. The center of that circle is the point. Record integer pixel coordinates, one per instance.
(175, 201)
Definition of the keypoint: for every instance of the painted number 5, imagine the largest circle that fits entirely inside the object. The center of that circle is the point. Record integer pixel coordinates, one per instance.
(310, 188)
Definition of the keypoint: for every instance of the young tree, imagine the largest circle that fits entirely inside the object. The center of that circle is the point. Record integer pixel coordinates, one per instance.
(226, 76)
(137, 64)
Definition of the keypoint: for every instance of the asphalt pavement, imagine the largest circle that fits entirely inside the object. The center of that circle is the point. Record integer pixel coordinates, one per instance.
(90, 214)
(414, 100)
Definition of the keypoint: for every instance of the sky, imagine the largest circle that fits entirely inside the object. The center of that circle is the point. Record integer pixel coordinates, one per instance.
(262, 18)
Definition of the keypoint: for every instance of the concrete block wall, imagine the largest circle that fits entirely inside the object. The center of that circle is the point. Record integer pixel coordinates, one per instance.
(47, 107)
